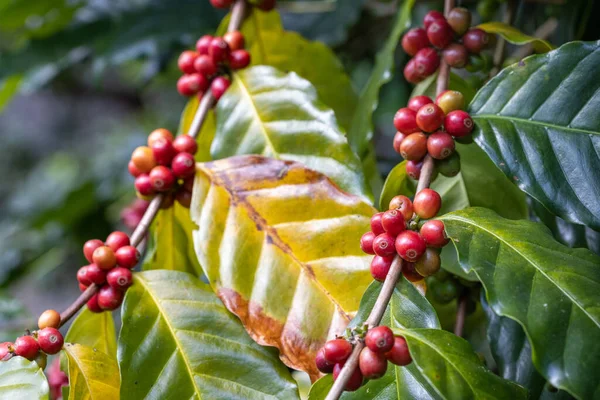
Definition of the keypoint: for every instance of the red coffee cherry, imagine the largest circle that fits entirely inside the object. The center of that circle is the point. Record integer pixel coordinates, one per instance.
(239, 59)
(127, 257)
(189, 85)
(95, 274)
(432, 16)
(92, 304)
(49, 318)
(440, 33)
(337, 350)
(109, 298)
(163, 151)
(355, 381)
(162, 178)
(393, 222)
(322, 364)
(116, 240)
(186, 61)
(376, 225)
(235, 40)
(89, 247)
(475, 40)
(221, 3)
(380, 266)
(82, 287)
(410, 72)
(143, 159)
(429, 263)
(133, 169)
(410, 245)
(440, 145)
(427, 203)
(380, 339)
(104, 257)
(413, 169)
(398, 138)
(372, 365)
(414, 146)
(50, 340)
(5, 348)
(417, 102)
(27, 347)
(430, 118)
(458, 123)
(456, 55)
(185, 144)
(219, 50)
(427, 62)
(460, 20)
(183, 165)
(218, 86)
(383, 245)
(188, 184)
(203, 44)
(204, 65)
(399, 354)
(143, 185)
(159, 134)
(414, 40)
(366, 242)
(184, 197)
(450, 100)
(405, 121)
(433, 233)
(410, 273)
(119, 278)
(82, 277)
(402, 204)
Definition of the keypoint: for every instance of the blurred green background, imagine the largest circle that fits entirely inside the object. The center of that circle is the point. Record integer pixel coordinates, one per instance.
(82, 82)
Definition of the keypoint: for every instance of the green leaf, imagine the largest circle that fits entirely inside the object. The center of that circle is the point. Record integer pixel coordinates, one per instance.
(8, 88)
(178, 341)
(279, 244)
(538, 122)
(92, 374)
(95, 330)
(551, 290)
(515, 36)
(278, 115)
(22, 379)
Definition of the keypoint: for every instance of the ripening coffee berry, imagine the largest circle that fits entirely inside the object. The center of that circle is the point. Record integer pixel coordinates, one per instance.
(383, 245)
(127, 256)
(376, 225)
(429, 263)
(143, 185)
(355, 381)
(239, 59)
(322, 364)
(372, 365)
(393, 222)
(92, 304)
(221, 3)
(219, 50)
(162, 178)
(183, 165)
(89, 247)
(440, 145)
(427, 203)
(450, 100)
(204, 65)
(104, 257)
(449, 166)
(414, 146)
(459, 19)
(433, 233)
(427, 62)
(50, 340)
(430, 118)
(185, 144)
(116, 240)
(456, 55)
(235, 40)
(380, 339)
(133, 169)
(410, 72)
(143, 159)
(413, 169)
(458, 123)
(399, 354)
(5, 348)
(402, 204)
(440, 33)
(119, 278)
(95, 274)
(398, 138)
(27, 347)
(410, 273)
(475, 40)
(48, 319)
(380, 266)
(366, 242)
(414, 40)
(218, 86)
(337, 350)
(82, 277)
(163, 151)
(410, 245)
(431, 16)
(405, 121)
(417, 102)
(159, 134)
(184, 197)
(186, 61)
(109, 298)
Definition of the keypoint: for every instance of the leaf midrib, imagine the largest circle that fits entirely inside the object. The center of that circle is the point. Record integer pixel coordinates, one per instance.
(534, 122)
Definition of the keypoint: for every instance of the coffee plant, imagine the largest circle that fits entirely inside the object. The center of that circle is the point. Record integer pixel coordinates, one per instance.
(257, 250)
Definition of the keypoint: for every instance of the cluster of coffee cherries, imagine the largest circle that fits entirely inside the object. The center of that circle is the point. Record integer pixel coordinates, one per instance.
(265, 5)
(381, 346)
(165, 166)
(451, 36)
(110, 268)
(396, 232)
(38, 344)
(209, 65)
(428, 127)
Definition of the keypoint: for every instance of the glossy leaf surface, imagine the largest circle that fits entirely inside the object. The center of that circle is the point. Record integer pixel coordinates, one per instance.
(93, 374)
(515, 36)
(22, 379)
(95, 330)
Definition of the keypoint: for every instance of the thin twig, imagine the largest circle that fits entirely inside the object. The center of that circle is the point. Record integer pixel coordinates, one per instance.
(509, 16)
(542, 32)
(461, 313)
